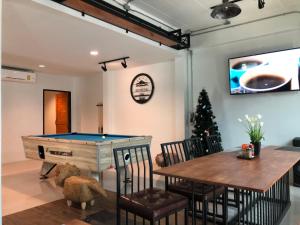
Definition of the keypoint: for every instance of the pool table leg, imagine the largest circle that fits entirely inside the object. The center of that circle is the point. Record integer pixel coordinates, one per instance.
(101, 178)
(46, 169)
(98, 176)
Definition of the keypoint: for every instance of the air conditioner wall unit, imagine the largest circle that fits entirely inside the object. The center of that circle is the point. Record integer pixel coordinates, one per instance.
(16, 75)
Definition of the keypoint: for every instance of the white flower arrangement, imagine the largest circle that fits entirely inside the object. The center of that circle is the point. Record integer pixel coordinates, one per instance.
(253, 125)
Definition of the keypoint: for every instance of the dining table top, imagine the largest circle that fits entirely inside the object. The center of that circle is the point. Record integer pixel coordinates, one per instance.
(225, 169)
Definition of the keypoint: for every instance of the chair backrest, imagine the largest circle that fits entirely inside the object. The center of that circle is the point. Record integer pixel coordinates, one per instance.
(174, 152)
(194, 147)
(134, 169)
(214, 144)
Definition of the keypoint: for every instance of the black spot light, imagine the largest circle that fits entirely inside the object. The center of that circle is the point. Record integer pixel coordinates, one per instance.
(124, 63)
(104, 68)
(261, 4)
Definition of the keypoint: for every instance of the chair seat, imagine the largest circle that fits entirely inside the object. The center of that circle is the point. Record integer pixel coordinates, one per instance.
(202, 191)
(153, 204)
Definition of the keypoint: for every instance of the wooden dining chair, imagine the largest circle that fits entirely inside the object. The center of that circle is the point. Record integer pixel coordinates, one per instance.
(135, 192)
(176, 152)
(214, 144)
(194, 147)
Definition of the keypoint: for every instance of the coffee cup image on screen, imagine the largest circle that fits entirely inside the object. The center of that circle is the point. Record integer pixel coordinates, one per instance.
(265, 79)
(240, 66)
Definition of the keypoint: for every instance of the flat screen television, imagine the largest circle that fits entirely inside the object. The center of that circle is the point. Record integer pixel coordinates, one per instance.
(269, 72)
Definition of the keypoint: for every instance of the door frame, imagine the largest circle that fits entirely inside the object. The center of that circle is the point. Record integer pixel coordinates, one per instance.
(69, 108)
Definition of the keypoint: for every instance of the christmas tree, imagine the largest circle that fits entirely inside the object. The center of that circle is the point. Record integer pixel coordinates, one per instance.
(204, 120)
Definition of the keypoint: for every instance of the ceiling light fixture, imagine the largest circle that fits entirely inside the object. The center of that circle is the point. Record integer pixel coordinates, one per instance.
(226, 10)
(94, 52)
(42, 66)
(104, 68)
(124, 63)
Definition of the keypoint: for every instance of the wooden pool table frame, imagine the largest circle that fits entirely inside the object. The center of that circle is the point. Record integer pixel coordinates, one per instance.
(86, 155)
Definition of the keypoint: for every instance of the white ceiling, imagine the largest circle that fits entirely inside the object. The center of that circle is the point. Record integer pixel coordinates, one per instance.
(34, 34)
(195, 14)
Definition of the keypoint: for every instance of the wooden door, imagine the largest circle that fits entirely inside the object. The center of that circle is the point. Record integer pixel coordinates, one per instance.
(62, 113)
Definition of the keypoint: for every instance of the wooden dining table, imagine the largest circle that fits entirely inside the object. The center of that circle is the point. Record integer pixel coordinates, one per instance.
(262, 183)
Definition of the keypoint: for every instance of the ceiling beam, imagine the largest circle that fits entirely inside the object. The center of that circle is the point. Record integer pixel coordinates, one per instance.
(130, 23)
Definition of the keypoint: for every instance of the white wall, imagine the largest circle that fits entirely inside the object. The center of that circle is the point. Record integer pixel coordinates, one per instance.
(22, 109)
(88, 95)
(281, 111)
(122, 115)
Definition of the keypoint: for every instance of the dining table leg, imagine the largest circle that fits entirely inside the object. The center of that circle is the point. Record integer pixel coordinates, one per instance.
(238, 206)
(225, 206)
(214, 205)
(193, 205)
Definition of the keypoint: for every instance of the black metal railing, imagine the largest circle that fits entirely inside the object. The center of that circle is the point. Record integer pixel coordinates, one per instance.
(267, 208)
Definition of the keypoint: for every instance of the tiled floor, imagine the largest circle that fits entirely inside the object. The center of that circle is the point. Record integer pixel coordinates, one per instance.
(293, 215)
(22, 189)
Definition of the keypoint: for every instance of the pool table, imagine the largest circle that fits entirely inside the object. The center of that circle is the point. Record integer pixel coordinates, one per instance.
(91, 152)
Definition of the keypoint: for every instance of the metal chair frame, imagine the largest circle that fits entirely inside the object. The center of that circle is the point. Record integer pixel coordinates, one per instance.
(213, 144)
(132, 163)
(194, 147)
(181, 148)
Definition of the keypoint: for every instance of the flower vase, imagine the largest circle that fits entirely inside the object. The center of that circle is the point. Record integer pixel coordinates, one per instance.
(257, 147)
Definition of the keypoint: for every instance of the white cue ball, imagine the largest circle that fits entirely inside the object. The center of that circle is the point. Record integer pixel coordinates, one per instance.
(103, 136)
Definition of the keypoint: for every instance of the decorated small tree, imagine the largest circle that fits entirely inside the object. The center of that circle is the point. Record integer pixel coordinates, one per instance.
(204, 124)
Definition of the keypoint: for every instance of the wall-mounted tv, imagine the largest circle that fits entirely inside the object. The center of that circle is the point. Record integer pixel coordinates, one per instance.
(269, 72)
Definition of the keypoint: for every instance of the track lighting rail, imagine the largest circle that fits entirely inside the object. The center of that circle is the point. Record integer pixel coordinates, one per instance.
(114, 60)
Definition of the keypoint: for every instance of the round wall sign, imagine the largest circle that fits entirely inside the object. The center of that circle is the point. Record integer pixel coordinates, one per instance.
(142, 88)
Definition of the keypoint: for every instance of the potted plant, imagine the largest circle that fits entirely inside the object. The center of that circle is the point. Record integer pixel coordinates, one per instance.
(253, 125)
